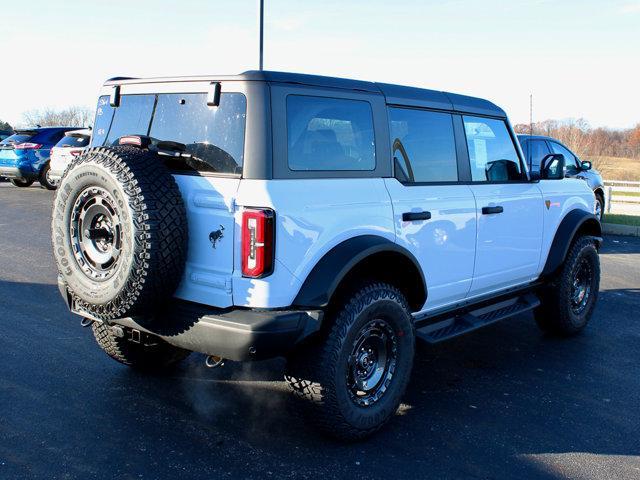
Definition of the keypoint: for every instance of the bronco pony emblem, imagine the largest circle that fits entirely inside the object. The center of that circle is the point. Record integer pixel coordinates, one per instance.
(216, 236)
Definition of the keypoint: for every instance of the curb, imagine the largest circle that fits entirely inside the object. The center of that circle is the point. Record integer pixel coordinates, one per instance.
(615, 229)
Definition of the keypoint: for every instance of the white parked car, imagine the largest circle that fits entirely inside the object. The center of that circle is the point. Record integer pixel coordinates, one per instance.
(70, 146)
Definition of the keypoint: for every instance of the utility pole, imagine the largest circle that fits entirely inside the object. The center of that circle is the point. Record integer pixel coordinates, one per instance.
(531, 114)
(261, 30)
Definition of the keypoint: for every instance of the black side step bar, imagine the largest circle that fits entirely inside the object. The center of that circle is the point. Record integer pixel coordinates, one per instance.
(459, 324)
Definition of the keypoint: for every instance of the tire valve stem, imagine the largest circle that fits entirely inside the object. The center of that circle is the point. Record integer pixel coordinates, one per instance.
(214, 361)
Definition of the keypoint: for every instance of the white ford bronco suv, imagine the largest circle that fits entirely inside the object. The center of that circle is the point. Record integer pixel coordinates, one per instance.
(329, 221)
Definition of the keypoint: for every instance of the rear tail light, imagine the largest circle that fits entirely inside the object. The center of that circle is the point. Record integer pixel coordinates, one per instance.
(75, 153)
(258, 242)
(28, 146)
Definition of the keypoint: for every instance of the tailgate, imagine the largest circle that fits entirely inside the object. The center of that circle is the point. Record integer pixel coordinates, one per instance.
(210, 203)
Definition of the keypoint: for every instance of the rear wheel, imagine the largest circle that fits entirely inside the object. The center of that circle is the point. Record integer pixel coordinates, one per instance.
(351, 379)
(45, 178)
(151, 353)
(570, 296)
(19, 182)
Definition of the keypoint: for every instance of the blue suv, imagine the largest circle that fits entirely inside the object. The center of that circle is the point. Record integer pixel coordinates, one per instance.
(24, 156)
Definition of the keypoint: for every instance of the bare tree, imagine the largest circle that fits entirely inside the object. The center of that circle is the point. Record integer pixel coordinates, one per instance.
(74, 116)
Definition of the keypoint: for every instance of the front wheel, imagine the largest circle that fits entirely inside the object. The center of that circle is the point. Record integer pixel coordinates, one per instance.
(599, 207)
(351, 379)
(22, 183)
(570, 296)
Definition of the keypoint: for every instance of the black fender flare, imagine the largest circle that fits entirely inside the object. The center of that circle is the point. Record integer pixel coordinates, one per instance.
(326, 275)
(566, 232)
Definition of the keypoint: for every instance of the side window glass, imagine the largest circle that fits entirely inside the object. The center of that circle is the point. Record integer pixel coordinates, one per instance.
(539, 150)
(423, 145)
(329, 134)
(493, 155)
(569, 157)
(132, 117)
(102, 122)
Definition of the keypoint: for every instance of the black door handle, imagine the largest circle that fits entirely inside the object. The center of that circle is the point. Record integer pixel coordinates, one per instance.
(492, 210)
(413, 216)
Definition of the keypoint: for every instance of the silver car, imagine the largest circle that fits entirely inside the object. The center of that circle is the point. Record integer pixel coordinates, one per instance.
(536, 147)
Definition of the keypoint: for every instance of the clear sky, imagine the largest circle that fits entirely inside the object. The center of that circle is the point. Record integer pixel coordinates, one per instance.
(578, 58)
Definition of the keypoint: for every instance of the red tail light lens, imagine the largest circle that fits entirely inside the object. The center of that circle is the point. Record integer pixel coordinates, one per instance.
(28, 146)
(75, 153)
(258, 242)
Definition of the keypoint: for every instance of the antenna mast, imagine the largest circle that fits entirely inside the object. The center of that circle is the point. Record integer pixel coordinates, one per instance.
(261, 31)
(531, 114)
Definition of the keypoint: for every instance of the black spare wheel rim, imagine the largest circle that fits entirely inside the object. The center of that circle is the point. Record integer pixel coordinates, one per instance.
(372, 362)
(581, 286)
(96, 233)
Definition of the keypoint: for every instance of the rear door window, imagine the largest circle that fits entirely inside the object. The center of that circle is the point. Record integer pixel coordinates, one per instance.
(423, 145)
(132, 117)
(493, 155)
(213, 136)
(329, 134)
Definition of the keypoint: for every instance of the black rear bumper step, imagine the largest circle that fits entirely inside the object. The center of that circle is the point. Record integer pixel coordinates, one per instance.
(460, 324)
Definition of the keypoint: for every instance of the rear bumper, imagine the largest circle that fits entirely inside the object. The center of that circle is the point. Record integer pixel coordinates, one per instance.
(235, 334)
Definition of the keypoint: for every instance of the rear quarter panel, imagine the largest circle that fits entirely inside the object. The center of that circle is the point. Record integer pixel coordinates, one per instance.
(312, 216)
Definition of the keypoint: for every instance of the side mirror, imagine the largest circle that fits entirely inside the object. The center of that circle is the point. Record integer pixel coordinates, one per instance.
(586, 165)
(534, 176)
(552, 167)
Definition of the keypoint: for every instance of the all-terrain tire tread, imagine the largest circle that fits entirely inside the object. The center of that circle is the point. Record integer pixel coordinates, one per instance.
(319, 361)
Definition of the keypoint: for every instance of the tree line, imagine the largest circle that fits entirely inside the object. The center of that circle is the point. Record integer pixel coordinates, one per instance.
(587, 141)
(74, 116)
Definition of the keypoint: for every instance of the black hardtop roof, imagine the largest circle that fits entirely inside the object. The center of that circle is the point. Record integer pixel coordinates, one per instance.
(394, 94)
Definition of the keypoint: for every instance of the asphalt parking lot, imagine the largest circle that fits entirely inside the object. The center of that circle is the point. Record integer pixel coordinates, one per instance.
(504, 402)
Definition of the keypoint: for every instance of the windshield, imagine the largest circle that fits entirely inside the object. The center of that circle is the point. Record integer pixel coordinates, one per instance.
(213, 136)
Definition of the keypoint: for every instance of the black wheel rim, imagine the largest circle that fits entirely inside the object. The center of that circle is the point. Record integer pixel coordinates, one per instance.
(96, 233)
(581, 286)
(372, 362)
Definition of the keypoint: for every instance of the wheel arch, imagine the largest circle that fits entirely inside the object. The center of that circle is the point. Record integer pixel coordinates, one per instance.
(366, 255)
(575, 223)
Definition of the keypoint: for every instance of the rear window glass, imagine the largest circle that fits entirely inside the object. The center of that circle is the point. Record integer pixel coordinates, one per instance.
(102, 123)
(329, 134)
(16, 138)
(214, 136)
(132, 117)
(72, 141)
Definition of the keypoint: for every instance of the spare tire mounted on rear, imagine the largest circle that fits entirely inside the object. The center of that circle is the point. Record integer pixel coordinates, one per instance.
(119, 232)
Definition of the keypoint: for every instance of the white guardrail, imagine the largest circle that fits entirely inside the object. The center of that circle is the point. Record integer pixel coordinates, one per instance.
(622, 194)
